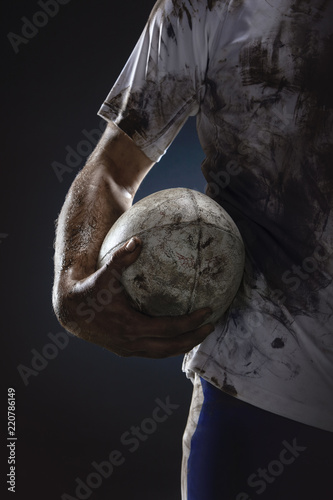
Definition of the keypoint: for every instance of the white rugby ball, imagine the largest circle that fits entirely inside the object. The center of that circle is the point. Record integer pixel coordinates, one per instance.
(192, 254)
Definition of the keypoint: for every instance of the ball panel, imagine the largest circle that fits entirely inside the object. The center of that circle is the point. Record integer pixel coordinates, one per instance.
(220, 269)
(163, 277)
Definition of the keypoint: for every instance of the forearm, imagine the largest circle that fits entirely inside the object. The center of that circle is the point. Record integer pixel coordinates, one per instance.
(92, 205)
(102, 191)
(94, 202)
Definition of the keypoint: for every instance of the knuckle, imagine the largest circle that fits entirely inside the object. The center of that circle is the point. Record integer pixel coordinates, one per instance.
(114, 257)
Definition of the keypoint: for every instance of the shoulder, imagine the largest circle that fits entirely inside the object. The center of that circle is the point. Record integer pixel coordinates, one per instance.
(193, 17)
(184, 9)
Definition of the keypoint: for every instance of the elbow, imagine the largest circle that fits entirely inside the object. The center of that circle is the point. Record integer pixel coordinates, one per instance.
(59, 308)
(62, 310)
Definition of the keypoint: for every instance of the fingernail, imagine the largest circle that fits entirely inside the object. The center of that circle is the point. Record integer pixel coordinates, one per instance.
(131, 245)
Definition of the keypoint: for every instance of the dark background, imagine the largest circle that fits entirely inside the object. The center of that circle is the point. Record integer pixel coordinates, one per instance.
(73, 410)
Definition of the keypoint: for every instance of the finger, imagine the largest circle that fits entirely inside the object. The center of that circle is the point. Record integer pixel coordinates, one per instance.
(164, 348)
(113, 267)
(125, 255)
(167, 326)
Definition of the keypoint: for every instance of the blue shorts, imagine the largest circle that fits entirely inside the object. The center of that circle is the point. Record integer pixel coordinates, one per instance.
(239, 452)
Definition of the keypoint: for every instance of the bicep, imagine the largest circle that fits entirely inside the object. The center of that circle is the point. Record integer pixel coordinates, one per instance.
(126, 164)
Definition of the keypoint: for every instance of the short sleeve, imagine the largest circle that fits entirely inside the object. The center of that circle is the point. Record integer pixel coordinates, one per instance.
(163, 81)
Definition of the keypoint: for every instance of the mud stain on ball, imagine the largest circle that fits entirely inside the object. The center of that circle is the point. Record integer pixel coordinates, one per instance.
(141, 281)
(278, 343)
(207, 243)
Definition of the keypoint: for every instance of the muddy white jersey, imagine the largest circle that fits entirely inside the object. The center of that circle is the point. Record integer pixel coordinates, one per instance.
(258, 77)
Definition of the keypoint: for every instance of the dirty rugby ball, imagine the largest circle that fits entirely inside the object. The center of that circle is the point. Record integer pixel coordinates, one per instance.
(192, 254)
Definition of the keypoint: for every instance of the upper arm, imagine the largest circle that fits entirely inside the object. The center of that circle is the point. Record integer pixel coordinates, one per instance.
(126, 164)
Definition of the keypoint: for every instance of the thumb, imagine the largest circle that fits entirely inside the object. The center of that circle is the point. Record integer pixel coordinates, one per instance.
(126, 254)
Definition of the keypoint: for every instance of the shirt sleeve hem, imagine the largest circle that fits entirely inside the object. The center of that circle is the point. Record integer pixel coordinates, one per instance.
(150, 150)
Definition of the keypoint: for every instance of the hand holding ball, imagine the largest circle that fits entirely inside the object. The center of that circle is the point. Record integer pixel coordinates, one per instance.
(192, 254)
